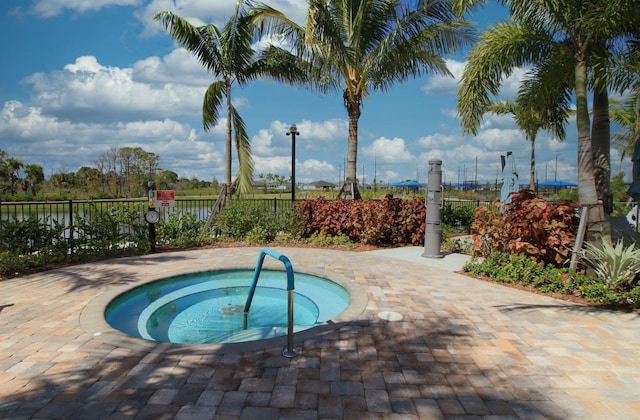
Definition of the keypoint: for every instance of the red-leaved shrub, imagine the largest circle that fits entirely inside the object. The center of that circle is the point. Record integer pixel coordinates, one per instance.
(374, 222)
(528, 225)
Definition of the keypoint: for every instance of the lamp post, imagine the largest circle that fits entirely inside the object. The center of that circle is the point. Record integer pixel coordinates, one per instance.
(293, 131)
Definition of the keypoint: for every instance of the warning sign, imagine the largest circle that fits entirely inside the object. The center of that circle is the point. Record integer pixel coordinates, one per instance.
(162, 198)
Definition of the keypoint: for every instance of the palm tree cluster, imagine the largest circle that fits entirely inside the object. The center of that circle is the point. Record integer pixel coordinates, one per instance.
(571, 48)
(17, 176)
(356, 46)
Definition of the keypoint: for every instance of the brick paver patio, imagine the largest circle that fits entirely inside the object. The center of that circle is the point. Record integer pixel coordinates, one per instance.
(464, 348)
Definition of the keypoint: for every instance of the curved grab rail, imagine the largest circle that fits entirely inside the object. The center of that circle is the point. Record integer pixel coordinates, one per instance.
(278, 256)
(289, 351)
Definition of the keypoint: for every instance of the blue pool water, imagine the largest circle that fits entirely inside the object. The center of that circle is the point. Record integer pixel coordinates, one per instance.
(208, 307)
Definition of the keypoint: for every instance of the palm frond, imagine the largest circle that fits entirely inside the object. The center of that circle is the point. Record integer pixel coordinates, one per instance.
(202, 42)
(243, 149)
(213, 99)
(416, 43)
(505, 47)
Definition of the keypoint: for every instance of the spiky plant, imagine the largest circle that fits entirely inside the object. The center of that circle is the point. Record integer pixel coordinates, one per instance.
(617, 265)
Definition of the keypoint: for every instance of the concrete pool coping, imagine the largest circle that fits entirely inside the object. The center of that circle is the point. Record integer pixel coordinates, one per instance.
(92, 318)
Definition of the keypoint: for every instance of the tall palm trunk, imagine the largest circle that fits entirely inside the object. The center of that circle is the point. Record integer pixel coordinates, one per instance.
(353, 110)
(587, 193)
(601, 145)
(352, 152)
(228, 144)
(532, 166)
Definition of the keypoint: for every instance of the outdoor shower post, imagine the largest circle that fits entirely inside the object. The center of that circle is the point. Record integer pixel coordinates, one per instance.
(433, 202)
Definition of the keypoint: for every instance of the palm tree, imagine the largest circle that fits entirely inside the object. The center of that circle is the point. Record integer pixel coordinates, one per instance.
(359, 46)
(35, 176)
(531, 120)
(558, 39)
(225, 52)
(13, 170)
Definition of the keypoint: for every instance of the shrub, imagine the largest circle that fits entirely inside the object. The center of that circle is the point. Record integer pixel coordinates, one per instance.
(28, 235)
(529, 226)
(240, 217)
(375, 222)
(182, 229)
(459, 218)
(618, 265)
(520, 269)
(107, 233)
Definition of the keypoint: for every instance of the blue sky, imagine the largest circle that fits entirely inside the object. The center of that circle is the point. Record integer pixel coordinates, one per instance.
(80, 77)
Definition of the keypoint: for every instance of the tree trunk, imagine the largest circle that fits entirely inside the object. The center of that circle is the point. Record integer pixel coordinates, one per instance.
(353, 109)
(597, 229)
(532, 169)
(601, 145)
(228, 144)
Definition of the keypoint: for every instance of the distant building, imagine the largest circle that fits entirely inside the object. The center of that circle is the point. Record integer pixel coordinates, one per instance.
(320, 185)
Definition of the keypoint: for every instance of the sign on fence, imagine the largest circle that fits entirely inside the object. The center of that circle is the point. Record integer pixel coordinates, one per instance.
(162, 198)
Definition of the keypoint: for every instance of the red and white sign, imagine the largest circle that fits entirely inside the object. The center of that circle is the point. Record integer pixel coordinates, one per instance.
(162, 198)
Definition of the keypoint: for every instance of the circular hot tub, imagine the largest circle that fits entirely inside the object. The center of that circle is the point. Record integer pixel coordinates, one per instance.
(208, 307)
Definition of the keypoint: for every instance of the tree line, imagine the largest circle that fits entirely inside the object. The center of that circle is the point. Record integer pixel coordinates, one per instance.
(117, 172)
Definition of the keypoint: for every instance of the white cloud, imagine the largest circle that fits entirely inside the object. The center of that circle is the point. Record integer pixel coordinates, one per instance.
(261, 143)
(207, 11)
(336, 129)
(86, 90)
(50, 8)
(437, 85)
(313, 136)
(314, 170)
(440, 140)
(271, 148)
(179, 66)
(278, 165)
(494, 139)
(389, 151)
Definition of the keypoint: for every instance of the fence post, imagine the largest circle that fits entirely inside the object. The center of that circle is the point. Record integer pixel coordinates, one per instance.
(70, 220)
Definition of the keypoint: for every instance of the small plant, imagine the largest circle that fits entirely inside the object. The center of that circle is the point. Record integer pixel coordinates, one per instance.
(324, 239)
(257, 235)
(618, 265)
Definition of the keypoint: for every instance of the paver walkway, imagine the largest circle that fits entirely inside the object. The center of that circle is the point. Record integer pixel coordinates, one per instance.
(464, 348)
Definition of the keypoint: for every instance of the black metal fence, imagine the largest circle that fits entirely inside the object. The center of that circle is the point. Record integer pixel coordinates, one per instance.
(474, 204)
(63, 212)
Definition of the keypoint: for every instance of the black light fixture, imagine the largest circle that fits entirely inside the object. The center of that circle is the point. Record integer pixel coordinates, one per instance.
(293, 131)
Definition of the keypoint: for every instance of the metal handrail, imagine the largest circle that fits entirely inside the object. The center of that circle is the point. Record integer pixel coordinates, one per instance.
(289, 351)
